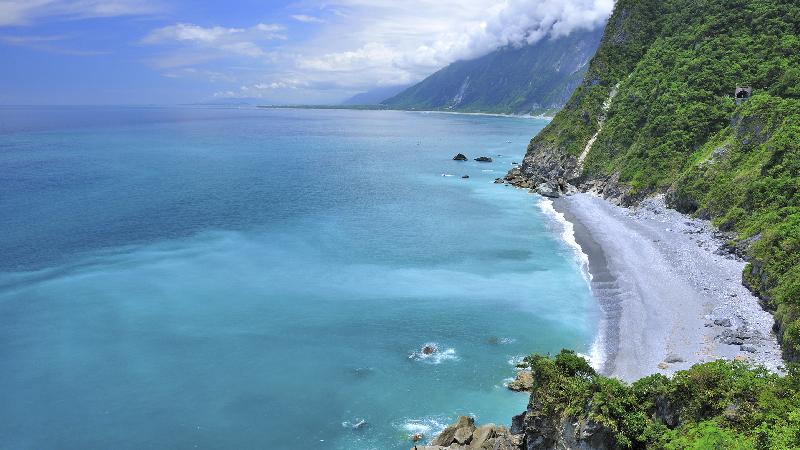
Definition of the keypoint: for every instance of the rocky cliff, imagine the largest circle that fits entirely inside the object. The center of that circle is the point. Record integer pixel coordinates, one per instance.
(720, 404)
(656, 114)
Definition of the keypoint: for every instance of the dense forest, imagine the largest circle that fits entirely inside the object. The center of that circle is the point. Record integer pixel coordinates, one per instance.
(674, 127)
(718, 405)
(659, 100)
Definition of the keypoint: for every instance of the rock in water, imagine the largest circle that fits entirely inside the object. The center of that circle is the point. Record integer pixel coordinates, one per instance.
(465, 176)
(459, 157)
(523, 382)
(483, 159)
(428, 350)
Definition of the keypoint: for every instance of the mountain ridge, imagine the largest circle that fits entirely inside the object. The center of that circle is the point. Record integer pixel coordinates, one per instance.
(532, 79)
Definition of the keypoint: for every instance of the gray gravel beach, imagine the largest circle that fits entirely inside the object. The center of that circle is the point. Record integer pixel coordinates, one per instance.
(670, 297)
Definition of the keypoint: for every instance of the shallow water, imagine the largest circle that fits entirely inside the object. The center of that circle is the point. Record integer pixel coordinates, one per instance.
(245, 278)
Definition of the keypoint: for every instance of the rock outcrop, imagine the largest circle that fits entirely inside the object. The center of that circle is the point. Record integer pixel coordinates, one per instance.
(460, 157)
(464, 435)
(531, 430)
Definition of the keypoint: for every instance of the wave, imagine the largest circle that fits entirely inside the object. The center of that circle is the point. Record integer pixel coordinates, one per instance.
(516, 360)
(568, 236)
(432, 353)
(428, 427)
(596, 356)
(355, 424)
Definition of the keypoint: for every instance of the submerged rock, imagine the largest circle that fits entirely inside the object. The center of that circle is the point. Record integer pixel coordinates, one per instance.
(483, 159)
(465, 176)
(428, 350)
(459, 157)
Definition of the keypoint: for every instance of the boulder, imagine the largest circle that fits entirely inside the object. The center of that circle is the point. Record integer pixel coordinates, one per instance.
(548, 190)
(463, 436)
(482, 434)
(523, 382)
(483, 159)
(459, 157)
(672, 359)
(428, 350)
(448, 435)
(465, 176)
(499, 181)
(725, 322)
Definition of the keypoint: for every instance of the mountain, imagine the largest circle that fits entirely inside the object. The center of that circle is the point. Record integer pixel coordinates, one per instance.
(374, 96)
(534, 78)
(656, 114)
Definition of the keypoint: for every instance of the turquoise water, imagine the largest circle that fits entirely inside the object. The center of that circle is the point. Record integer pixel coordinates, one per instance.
(245, 278)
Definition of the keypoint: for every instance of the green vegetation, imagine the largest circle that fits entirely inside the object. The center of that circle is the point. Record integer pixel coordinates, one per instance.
(535, 78)
(717, 405)
(674, 127)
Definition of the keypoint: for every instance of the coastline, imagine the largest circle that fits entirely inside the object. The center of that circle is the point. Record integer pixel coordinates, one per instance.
(422, 111)
(669, 297)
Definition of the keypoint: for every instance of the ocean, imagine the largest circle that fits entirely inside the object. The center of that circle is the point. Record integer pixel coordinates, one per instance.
(219, 277)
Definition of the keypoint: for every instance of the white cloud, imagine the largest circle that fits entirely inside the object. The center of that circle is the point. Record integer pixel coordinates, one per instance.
(362, 44)
(307, 19)
(369, 43)
(27, 12)
(415, 39)
(228, 41)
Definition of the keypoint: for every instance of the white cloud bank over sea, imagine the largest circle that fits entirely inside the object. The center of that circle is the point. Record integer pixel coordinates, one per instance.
(360, 44)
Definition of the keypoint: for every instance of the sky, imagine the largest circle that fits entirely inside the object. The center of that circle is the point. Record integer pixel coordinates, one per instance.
(275, 52)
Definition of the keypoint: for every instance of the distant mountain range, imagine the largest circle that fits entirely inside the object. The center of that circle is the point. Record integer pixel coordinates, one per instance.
(536, 78)
(374, 96)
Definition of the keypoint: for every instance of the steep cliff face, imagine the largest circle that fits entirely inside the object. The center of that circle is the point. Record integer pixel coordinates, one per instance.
(717, 405)
(534, 78)
(655, 113)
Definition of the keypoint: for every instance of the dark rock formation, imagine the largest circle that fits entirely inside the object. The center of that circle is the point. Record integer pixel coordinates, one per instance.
(483, 159)
(459, 157)
(465, 176)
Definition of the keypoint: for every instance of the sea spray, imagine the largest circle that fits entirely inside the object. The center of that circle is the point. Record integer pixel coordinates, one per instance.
(596, 356)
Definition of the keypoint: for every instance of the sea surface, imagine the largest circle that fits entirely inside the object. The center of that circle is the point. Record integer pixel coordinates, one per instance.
(200, 277)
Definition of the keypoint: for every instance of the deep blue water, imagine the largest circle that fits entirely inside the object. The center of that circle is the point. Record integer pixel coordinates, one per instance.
(248, 278)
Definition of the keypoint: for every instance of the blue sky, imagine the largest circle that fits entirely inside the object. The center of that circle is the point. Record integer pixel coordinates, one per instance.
(167, 52)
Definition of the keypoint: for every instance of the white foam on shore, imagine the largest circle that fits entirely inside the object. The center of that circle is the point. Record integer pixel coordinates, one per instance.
(596, 356)
(568, 236)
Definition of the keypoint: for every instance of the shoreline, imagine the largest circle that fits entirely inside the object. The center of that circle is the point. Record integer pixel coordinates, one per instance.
(669, 298)
(422, 111)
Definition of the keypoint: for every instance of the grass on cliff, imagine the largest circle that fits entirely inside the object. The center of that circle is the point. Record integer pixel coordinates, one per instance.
(674, 126)
(716, 405)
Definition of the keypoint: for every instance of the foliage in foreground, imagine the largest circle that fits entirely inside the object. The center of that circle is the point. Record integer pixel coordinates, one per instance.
(716, 405)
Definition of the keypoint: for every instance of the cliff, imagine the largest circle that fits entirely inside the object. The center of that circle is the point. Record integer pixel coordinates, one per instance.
(656, 113)
(714, 405)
